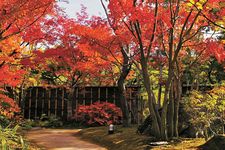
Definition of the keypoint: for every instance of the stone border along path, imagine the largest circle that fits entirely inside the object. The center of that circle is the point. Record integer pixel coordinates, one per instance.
(60, 139)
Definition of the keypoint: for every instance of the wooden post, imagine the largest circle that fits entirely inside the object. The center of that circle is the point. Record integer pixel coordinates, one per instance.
(142, 108)
(70, 102)
(139, 108)
(76, 98)
(99, 94)
(114, 95)
(49, 102)
(84, 95)
(106, 94)
(56, 101)
(138, 112)
(130, 98)
(43, 101)
(131, 109)
(22, 100)
(14, 94)
(30, 94)
(77, 92)
(91, 95)
(63, 92)
(36, 100)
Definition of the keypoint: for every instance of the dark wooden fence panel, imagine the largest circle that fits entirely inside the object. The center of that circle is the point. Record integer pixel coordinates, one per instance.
(47, 101)
(54, 101)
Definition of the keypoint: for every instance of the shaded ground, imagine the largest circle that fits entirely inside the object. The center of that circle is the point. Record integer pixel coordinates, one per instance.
(122, 139)
(60, 139)
(215, 143)
(128, 139)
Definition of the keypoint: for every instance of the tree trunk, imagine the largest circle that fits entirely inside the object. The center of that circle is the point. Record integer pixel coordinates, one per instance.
(176, 106)
(160, 87)
(168, 86)
(164, 134)
(122, 97)
(155, 121)
(69, 103)
(22, 97)
(122, 90)
(171, 113)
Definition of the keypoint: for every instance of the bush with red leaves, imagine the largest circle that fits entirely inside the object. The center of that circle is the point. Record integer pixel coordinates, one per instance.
(98, 114)
(8, 107)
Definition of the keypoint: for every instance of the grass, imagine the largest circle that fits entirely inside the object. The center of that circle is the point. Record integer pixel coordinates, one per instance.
(128, 139)
(184, 144)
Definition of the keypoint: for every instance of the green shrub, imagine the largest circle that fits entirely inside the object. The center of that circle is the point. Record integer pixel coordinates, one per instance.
(4, 121)
(206, 109)
(45, 121)
(50, 121)
(11, 140)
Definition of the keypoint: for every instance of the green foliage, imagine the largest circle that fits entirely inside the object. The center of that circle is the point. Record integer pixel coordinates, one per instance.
(209, 72)
(206, 110)
(11, 140)
(50, 121)
(27, 124)
(4, 120)
(45, 121)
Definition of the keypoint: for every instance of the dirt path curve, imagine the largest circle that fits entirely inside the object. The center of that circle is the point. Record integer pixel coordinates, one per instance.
(60, 139)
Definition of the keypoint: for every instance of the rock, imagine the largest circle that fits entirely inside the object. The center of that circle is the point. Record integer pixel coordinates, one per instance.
(215, 143)
(145, 125)
(159, 143)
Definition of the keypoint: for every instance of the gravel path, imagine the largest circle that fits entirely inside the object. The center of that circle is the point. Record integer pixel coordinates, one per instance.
(60, 139)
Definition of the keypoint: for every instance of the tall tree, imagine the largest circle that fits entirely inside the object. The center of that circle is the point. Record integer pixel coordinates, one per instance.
(64, 61)
(16, 19)
(172, 35)
(100, 36)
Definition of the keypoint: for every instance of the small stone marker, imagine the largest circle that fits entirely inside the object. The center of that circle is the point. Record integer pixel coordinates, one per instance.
(111, 129)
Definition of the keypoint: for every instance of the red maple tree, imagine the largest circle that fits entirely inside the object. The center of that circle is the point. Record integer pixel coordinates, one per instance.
(17, 17)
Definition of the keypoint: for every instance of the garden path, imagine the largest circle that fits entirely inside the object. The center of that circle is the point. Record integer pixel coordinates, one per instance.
(60, 139)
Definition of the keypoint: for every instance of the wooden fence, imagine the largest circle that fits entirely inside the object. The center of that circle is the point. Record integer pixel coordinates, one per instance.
(54, 101)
